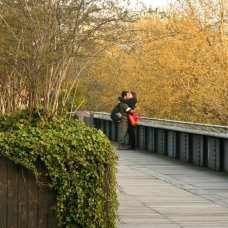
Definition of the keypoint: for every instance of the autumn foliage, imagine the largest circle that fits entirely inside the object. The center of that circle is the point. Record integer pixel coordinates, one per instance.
(176, 61)
(66, 55)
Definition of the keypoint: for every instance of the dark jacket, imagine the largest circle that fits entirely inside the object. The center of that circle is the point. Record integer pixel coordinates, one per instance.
(129, 102)
(124, 108)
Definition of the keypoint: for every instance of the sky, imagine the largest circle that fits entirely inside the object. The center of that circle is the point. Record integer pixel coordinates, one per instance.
(153, 3)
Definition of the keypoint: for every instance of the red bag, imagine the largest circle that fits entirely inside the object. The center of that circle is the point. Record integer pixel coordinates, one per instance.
(133, 119)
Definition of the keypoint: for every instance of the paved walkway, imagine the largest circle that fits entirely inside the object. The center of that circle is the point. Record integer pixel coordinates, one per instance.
(158, 192)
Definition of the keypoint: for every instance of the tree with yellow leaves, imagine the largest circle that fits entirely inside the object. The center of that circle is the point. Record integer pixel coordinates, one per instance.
(176, 62)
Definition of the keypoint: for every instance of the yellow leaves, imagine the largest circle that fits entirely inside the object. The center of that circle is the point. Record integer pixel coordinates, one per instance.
(177, 66)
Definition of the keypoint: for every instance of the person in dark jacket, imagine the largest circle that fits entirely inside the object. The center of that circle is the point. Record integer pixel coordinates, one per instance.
(131, 101)
(123, 125)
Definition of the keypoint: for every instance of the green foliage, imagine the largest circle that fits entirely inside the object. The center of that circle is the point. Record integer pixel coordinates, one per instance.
(80, 164)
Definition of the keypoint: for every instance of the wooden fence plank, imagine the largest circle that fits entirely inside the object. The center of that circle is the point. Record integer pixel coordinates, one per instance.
(3, 192)
(32, 201)
(52, 223)
(12, 195)
(23, 198)
(43, 208)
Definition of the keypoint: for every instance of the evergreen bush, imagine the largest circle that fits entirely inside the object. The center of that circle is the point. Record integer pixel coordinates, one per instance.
(80, 165)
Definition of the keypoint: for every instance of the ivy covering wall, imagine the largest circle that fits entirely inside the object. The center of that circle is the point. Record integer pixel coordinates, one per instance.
(80, 166)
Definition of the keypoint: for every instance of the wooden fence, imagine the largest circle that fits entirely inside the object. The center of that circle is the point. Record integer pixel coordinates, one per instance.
(23, 202)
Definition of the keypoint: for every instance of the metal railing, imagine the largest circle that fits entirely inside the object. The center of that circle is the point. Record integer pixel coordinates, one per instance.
(200, 144)
(188, 125)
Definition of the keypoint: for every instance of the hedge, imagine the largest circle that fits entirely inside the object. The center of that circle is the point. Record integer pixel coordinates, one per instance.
(80, 165)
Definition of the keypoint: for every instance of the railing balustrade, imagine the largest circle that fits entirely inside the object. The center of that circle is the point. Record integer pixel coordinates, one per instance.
(200, 144)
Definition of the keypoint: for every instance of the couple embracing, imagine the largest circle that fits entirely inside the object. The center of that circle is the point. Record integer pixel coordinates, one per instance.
(127, 106)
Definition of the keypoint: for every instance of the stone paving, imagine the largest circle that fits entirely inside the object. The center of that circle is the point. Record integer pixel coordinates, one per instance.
(158, 192)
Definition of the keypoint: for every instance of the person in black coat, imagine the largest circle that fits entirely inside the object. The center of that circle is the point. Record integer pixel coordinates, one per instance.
(131, 102)
(124, 123)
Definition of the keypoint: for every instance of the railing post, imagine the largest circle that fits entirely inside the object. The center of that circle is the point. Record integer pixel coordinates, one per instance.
(106, 128)
(150, 139)
(160, 141)
(197, 141)
(97, 123)
(225, 154)
(171, 144)
(184, 147)
(213, 149)
(142, 137)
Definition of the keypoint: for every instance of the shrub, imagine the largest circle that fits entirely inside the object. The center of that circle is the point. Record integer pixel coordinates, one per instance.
(80, 165)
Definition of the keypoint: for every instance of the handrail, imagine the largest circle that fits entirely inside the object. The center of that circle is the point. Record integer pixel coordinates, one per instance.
(185, 122)
(180, 125)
